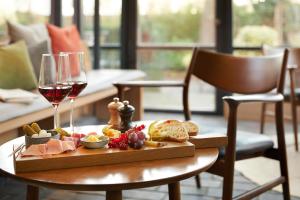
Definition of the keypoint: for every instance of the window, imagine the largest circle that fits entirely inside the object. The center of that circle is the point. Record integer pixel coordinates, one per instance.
(272, 22)
(24, 12)
(167, 31)
(67, 12)
(110, 21)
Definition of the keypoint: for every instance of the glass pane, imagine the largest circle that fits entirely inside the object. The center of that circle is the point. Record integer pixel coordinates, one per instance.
(110, 21)
(88, 21)
(172, 65)
(272, 22)
(110, 59)
(171, 21)
(24, 12)
(67, 12)
(110, 12)
(182, 23)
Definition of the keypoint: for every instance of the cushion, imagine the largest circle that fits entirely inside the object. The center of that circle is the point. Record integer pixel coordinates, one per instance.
(249, 144)
(65, 39)
(31, 34)
(16, 68)
(35, 53)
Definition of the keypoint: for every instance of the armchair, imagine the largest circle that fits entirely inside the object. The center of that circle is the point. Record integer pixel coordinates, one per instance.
(253, 77)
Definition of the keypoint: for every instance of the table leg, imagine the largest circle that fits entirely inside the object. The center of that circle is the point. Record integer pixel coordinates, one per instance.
(114, 195)
(174, 191)
(32, 192)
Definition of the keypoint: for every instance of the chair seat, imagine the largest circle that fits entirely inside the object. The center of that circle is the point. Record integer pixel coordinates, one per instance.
(250, 144)
(287, 94)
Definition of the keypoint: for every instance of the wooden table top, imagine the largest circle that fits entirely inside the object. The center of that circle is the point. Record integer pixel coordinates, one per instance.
(111, 177)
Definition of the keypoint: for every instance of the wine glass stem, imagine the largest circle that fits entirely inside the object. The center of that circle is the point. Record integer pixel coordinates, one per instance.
(71, 115)
(56, 123)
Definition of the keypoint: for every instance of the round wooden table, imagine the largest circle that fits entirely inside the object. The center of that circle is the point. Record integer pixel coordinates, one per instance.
(111, 178)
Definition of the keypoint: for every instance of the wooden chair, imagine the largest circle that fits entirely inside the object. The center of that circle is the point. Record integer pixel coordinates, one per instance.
(253, 77)
(292, 95)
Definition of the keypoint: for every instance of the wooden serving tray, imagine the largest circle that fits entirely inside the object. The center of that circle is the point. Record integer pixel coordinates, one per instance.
(83, 157)
(209, 140)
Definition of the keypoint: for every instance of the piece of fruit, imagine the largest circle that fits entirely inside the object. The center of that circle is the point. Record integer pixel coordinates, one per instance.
(62, 132)
(28, 130)
(141, 135)
(35, 127)
(111, 133)
(123, 146)
(92, 138)
(139, 144)
(151, 143)
(132, 137)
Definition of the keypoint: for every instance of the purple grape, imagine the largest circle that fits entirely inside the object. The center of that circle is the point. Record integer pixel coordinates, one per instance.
(131, 145)
(139, 144)
(141, 135)
(132, 138)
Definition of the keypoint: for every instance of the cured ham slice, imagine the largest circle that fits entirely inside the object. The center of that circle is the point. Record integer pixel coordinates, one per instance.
(52, 147)
(37, 150)
(68, 146)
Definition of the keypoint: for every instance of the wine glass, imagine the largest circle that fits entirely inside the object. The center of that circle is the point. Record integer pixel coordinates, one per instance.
(53, 80)
(78, 79)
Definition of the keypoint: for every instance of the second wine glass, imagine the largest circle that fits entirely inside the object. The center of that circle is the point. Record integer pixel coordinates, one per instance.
(78, 79)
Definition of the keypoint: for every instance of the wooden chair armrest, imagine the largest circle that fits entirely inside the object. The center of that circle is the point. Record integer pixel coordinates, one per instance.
(267, 98)
(149, 84)
(291, 67)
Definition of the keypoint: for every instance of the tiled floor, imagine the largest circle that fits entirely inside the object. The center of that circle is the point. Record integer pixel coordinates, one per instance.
(211, 185)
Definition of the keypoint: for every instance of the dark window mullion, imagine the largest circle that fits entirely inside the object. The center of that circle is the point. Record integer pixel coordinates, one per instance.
(96, 35)
(223, 40)
(56, 12)
(129, 34)
(77, 17)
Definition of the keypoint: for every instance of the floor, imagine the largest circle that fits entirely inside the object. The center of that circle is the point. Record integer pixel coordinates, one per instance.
(211, 185)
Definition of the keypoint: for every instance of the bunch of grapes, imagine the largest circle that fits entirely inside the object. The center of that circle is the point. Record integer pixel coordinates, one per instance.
(136, 137)
(133, 137)
(121, 142)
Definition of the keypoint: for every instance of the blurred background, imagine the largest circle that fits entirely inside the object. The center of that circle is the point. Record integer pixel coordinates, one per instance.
(166, 32)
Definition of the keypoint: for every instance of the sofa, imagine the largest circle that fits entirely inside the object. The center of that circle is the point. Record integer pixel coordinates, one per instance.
(92, 101)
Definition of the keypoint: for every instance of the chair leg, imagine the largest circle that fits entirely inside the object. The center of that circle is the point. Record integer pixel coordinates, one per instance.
(295, 124)
(198, 181)
(282, 150)
(228, 182)
(262, 118)
(284, 172)
(32, 193)
(120, 92)
(230, 152)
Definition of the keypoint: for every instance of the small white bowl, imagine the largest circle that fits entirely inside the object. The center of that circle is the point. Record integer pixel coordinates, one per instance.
(94, 145)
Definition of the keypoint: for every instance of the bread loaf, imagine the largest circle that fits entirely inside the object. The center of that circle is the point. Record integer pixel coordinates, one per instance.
(191, 127)
(172, 130)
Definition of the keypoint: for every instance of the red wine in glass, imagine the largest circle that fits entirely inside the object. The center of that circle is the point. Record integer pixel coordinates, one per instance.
(77, 87)
(55, 93)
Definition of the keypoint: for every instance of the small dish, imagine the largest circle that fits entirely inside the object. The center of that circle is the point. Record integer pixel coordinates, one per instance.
(94, 145)
(42, 140)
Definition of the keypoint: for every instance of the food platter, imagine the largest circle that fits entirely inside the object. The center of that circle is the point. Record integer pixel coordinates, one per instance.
(83, 157)
(108, 154)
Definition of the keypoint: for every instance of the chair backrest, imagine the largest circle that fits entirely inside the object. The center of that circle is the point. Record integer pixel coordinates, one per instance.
(244, 75)
(294, 59)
